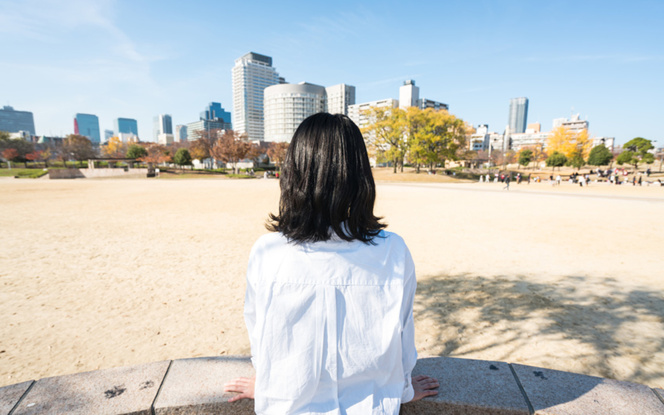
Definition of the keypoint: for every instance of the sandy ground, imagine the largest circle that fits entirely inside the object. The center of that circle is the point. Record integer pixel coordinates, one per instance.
(104, 273)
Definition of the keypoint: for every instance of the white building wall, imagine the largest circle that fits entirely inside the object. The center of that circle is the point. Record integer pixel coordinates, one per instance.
(339, 98)
(287, 105)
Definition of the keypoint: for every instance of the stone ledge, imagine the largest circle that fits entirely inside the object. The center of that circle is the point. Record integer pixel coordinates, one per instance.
(195, 386)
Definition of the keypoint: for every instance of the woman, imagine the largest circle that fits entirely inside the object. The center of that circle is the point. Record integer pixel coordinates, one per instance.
(329, 301)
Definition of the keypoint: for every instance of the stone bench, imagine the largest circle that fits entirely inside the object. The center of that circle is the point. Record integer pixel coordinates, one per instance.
(195, 386)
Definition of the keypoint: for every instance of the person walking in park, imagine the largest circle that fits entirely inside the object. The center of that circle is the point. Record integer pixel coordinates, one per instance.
(329, 299)
(507, 182)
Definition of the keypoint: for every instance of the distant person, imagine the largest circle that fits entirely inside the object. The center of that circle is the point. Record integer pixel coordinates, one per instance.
(558, 180)
(648, 172)
(329, 300)
(640, 180)
(507, 182)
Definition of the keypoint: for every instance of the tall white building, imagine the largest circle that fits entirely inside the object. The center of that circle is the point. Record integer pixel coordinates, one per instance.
(409, 94)
(287, 105)
(163, 124)
(252, 73)
(339, 98)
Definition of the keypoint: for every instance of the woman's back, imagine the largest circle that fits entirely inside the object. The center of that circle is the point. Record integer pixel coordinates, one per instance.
(331, 325)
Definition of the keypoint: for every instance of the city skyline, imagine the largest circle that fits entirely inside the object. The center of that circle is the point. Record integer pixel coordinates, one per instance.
(599, 59)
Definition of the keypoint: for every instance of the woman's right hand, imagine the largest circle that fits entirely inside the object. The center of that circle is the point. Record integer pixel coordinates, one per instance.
(424, 386)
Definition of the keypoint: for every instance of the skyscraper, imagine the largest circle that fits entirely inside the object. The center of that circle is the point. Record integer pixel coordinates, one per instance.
(213, 117)
(409, 94)
(126, 126)
(339, 97)
(518, 117)
(252, 73)
(13, 121)
(180, 133)
(163, 124)
(88, 126)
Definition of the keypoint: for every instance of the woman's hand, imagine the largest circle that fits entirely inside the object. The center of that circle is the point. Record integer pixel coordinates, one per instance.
(424, 386)
(244, 386)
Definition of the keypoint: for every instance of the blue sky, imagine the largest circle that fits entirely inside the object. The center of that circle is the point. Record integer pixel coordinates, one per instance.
(137, 59)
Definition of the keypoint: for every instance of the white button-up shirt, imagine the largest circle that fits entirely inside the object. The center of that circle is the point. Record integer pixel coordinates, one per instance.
(331, 325)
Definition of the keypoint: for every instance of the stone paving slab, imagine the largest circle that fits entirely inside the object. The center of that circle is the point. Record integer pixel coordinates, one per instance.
(196, 386)
(124, 390)
(563, 393)
(10, 395)
(469, 387)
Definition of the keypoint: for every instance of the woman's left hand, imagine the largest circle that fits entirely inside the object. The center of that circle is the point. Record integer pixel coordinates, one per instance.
(244, 386)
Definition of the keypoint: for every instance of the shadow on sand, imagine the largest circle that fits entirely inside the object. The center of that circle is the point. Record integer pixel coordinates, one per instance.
(585, 325)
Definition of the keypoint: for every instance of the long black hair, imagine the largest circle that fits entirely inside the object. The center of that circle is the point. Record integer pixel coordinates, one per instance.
(326, 184)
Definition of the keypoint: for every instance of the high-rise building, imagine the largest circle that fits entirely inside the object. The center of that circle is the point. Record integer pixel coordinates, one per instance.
(163, 124)
(409, 94)
(213, 117)
(357, 112)
(13, 121)
(287, 105)
(518, 116)
(108, 134)
(126, 126)
(180, 133)
(339, 98)
(87, 125)
(252, 73)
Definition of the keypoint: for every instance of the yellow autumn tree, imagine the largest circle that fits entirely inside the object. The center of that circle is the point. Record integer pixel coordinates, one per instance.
(569, 143)
(385, 134)
(115, 148)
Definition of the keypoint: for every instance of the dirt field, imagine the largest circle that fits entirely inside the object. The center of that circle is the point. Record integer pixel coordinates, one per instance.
(104, 273)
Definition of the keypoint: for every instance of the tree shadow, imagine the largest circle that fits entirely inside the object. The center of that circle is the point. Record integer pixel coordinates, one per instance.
(579, 324)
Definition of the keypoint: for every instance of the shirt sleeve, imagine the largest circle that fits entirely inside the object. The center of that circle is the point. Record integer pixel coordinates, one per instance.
(409, 353)
(250, 304)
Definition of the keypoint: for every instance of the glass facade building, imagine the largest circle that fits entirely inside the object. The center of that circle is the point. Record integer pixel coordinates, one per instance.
(88, 126)
(252, 73)
(213, 117)
(13, 121)
(163, 124)
(518, 117)
(126, 126)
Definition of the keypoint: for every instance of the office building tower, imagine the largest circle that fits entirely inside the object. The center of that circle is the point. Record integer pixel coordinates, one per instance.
(126, 126)
(339, 98)
(163, 124)
(108, 134)
(180, 133)
(409, 95)
(13, 121)
(213, 117)
(87, 125)
(252, 73)
(287, 105)
(518, 116)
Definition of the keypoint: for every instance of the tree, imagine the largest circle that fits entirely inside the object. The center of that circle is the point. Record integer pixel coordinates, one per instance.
(277, 153)
(600, 156)
(230, 148)
(433, 136)
(182, 157)
(569, 143)
(136, 151)
(155, 154)
(10, 154)
(385, 134)
(22, 147)
(556, 159)
(525, 157)
(636, 151)
(78, 147)
(576, 161)
(45, 156)
(115, 148)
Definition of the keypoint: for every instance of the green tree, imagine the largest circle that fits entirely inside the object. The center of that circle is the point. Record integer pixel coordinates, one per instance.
(577, 160)
(433, 136)
(182, 157)
(525, 157)
(556, 159)
(135, 151)
(600, 156)
(636, 151)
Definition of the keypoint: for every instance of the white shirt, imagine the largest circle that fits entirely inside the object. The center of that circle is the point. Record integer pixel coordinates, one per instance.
(331, 325)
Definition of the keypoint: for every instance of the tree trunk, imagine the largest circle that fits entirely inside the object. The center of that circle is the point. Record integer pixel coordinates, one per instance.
(395, 165)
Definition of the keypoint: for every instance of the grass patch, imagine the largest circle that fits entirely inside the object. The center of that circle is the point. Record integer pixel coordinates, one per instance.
(23, 173)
